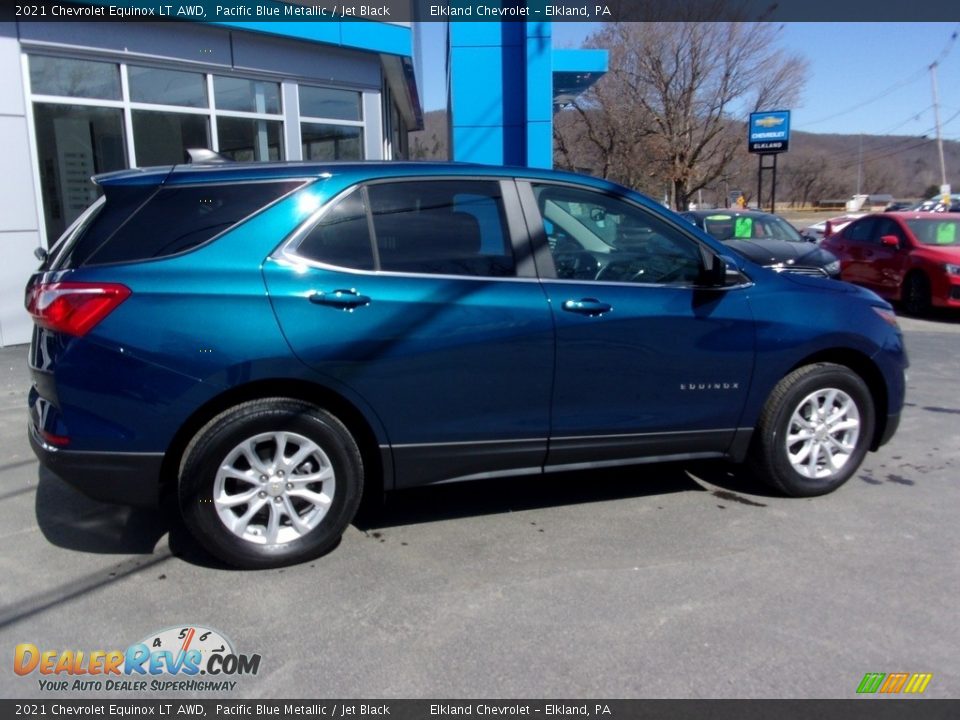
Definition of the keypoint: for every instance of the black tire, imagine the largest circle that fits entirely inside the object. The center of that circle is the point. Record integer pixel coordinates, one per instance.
(769, 457)
(915, 295)
(222, 437)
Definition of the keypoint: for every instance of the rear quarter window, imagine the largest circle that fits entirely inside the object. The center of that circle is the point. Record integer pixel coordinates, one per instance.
(115, 207)
(145, 224)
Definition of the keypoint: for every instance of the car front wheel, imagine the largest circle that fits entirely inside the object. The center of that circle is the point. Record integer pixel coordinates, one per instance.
(814, 431)
(270, 483)
(916, 294)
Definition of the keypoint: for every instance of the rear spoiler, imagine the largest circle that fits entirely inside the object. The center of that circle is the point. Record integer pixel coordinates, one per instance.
(203, 155)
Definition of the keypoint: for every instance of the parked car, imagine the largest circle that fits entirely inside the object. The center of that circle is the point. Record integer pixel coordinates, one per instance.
(937, 204)
(767, 239)
(898, 205)
(910, 257)
(266, 341)
(818, 231)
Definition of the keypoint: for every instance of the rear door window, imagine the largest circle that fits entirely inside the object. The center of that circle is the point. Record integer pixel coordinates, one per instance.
(447, 227)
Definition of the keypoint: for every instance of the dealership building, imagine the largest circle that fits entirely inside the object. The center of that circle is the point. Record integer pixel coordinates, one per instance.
(82, 98)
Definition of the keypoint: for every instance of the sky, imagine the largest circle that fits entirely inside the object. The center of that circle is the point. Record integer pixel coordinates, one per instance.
(870, 78)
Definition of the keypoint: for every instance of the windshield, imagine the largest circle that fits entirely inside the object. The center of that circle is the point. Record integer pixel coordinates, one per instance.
(935, 232)
(727, 226)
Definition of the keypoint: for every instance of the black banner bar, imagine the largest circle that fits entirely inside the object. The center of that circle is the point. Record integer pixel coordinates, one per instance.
(874, 708)
(482, 11)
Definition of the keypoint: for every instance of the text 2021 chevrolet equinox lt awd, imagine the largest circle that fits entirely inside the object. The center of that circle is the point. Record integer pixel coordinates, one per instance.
(262, 340)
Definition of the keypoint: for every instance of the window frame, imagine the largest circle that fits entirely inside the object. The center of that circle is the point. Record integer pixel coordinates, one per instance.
(305, 119)
(515, 231)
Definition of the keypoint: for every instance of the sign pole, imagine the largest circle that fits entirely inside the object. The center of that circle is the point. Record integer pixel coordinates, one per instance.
(768, 133)
(773, 188)
(759, 182)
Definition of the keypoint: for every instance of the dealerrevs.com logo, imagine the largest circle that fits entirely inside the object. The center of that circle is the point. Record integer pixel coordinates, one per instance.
(189, 659)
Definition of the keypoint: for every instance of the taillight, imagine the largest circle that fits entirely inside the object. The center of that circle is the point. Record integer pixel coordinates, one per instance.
(74, 307)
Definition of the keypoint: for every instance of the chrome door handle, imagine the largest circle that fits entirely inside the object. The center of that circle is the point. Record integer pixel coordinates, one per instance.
(341, 299)
(587, 306)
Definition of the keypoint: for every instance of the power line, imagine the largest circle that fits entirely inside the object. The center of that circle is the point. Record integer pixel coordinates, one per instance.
(893, 88)
(859, 106)
(849, 153)
(912, 118)
(892, 153)
(874, 153)
(910, 147)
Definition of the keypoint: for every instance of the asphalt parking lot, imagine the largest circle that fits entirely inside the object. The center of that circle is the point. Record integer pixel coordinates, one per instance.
(655, 581)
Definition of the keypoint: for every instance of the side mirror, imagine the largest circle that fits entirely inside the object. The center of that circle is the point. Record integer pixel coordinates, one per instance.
(40, 254)
(890, 241)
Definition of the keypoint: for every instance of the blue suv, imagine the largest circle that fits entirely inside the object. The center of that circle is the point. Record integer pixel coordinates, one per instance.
(265, 340)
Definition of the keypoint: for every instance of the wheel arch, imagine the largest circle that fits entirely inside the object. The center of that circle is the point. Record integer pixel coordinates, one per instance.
(378, 466)
(868, 371)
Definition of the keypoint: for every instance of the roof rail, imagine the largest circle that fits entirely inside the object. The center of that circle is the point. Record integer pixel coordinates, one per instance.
(203, 155)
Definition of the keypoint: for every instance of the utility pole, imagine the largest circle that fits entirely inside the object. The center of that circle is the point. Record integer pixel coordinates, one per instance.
(936, 117)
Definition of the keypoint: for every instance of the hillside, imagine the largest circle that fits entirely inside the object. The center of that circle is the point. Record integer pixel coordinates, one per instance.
(817, 167)
(822, 166)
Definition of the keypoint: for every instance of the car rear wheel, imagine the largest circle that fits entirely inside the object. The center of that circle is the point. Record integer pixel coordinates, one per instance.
(270, 483)
(814, 431)
(916, 294)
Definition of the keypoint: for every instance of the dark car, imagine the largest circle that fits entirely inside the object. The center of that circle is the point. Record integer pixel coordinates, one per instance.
(265, 342)
(767, 239)
(908, 257)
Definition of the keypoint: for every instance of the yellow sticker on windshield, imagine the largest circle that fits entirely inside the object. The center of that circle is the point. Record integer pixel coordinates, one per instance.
(946, 233)
(743, 227)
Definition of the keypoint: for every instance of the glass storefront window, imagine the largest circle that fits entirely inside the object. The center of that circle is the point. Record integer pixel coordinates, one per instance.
(74, 78)
(73, 143)
(170, 110)
(162, 138)
(331, 142)
(246, 95)
(329, 103)
(167, 87)
(244, 139)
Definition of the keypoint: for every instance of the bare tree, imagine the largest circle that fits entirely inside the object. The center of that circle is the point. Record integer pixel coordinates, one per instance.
(673, 103)
(431, 142)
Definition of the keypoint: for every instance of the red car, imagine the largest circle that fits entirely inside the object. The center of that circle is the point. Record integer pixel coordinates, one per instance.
(910, 257)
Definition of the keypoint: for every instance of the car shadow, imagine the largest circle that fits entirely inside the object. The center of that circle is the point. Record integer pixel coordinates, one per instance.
(946, 316)
(70, 520)
(556, 489)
